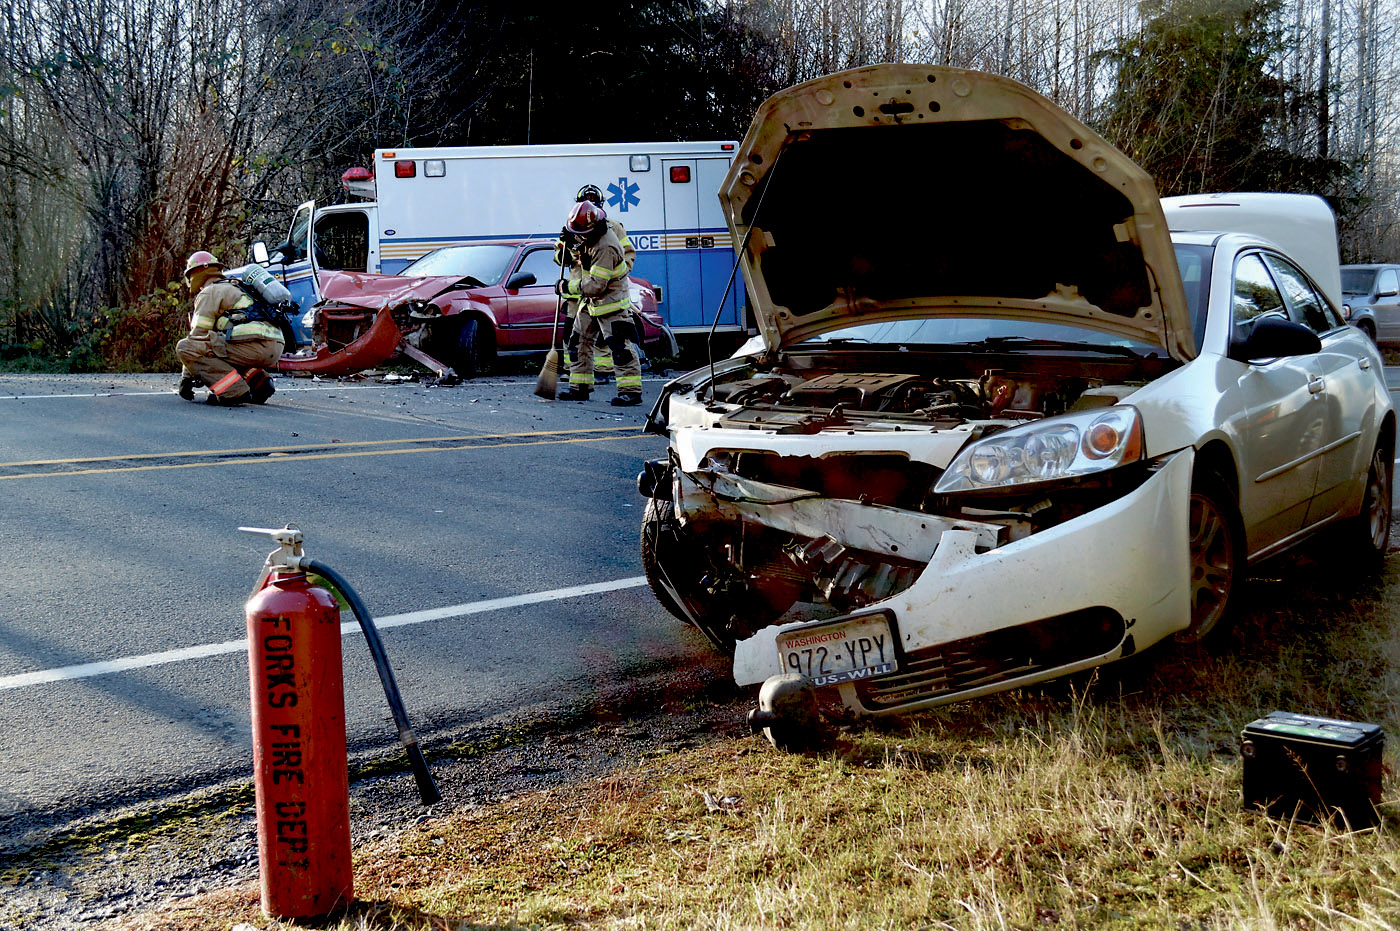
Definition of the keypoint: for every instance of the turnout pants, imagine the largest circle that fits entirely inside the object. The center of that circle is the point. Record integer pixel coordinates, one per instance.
(219, 363)
(602, 353)
(592, 331)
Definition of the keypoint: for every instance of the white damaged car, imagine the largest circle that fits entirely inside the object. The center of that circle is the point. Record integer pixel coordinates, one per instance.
(1012, 415)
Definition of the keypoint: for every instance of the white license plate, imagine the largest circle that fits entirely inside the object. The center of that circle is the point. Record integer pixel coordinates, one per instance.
(857, 649)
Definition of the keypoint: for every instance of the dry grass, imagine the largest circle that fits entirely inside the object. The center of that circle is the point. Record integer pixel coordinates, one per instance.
(1109, 802)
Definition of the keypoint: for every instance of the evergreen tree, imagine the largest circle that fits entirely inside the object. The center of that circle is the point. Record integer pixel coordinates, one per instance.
(1198, 105)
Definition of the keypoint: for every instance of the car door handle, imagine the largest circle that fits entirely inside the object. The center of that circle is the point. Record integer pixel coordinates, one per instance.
(1315, 384)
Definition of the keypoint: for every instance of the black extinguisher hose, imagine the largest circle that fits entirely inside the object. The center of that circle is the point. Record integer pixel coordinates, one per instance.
(427, 789)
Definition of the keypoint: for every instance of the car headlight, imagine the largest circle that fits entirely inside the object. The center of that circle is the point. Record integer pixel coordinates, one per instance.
(1048, 450)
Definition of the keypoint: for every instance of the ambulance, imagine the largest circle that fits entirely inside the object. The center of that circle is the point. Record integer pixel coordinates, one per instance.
(666, 194)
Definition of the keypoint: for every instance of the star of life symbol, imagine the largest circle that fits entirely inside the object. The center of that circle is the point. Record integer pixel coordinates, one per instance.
(623, 194)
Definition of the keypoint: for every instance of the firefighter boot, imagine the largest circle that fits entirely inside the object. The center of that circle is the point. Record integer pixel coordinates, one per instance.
(260, 387)
(627, 399)
(576, 393)
(185, 388)
(220, 401)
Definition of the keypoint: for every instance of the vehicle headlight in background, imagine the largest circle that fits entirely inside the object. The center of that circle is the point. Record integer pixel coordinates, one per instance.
(1057, 448)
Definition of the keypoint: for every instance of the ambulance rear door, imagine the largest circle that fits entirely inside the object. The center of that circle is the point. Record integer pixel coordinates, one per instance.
(699, 247)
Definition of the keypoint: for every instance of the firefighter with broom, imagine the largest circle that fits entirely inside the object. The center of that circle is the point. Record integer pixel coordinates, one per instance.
(604, 306)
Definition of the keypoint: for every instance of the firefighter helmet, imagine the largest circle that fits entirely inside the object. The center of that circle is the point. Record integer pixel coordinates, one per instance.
(589, 192)
(201, 259)
(585, 218)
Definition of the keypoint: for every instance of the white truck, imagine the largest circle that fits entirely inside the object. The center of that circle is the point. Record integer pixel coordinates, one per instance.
(664, 193)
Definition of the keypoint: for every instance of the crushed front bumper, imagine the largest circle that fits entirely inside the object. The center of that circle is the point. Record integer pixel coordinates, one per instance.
(1083, 593)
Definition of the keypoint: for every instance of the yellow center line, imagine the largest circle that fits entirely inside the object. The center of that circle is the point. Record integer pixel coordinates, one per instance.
(366, 452)
(284, 449)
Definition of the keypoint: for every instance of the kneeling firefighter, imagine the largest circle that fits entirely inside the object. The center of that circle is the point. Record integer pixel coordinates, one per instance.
(230, 342)
(604, 307)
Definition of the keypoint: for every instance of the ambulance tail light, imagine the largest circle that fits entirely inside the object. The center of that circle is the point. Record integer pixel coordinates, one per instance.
(405, 168)
(680, 174)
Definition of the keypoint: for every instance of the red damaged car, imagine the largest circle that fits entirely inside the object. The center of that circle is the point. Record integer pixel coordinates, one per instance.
(457, 307)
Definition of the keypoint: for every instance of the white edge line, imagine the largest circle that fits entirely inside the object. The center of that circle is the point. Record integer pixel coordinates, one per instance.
(143, 394)
(122, 664)
(284, 389)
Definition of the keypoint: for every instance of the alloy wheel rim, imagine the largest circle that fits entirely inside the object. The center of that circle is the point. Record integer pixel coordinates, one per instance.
(1212, 566)
(1378, 516)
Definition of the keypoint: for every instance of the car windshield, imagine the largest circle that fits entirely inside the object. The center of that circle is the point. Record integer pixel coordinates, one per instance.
(485, 263)
(1193, 261)
(1357, 280)
(985, 332)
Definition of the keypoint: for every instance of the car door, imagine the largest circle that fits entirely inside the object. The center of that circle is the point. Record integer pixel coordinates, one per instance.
(297, 269)
(1387, 307)
(530, 308)
(1347, 393)
(1277, 416)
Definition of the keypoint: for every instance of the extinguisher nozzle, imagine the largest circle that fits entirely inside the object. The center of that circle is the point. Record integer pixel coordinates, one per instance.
(427, 788)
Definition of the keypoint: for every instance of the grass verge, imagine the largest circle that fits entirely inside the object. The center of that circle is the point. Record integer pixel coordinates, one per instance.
(1110, 801)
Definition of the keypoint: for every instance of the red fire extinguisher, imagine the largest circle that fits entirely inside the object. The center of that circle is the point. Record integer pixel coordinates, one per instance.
(298, 697)
(300, 771)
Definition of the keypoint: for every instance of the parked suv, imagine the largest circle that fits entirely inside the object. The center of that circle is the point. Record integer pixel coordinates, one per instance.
(1371, 301)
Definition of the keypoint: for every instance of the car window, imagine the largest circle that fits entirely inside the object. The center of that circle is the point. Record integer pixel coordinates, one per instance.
(1357, 280)
(1389, 282)
(1306, 305)
(299, 233)
(1193, 261)
(1256, 295)
(342, 241)
(486, 263)
(540, 263)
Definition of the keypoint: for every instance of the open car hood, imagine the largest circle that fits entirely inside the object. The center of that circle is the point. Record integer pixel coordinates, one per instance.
(907, 191)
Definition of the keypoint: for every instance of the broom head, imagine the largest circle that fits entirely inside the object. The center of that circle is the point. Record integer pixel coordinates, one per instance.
(547, 385)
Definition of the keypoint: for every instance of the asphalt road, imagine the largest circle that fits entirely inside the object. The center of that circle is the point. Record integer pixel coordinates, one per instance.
(119, 505)
(480, 505)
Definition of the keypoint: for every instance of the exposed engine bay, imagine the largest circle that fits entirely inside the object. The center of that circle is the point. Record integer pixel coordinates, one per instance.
(813, 482)
(921, 398)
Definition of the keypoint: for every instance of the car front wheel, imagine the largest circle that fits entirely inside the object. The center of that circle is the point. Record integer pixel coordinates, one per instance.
(1217, 556)
(475, 349)
(719, 599)
(658, 531)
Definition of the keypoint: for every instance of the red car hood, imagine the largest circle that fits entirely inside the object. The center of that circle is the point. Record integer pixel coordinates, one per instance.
(361, 289)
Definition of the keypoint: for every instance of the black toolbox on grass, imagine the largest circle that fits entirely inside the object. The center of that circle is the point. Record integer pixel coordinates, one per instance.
(1313, 767)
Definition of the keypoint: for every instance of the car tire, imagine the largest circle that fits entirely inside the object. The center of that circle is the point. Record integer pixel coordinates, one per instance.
(1367, 327)
(1217, 557)
(723, 613)
(1367, 535)
(474, 349)
(657, 519)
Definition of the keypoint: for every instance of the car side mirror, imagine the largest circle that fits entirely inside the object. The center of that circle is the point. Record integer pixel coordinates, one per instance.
(520, 280)
(1274, 338)
(260, 252)
(1391, 293)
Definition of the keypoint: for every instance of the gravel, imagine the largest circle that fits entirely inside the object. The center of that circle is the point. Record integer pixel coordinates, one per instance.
(106, 861)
